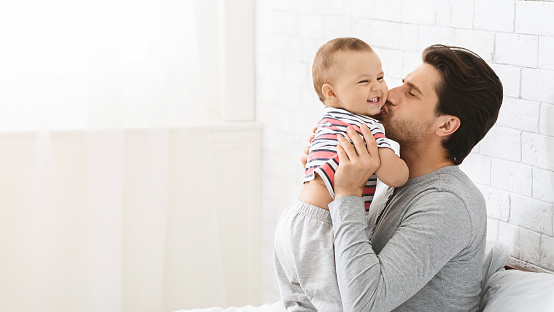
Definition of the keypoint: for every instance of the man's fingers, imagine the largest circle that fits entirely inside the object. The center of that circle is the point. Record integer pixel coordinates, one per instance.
(346, 146)
(343, 157)
(369, 140)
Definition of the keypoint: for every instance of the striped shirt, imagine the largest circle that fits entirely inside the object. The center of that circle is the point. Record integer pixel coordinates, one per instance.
(323, 158)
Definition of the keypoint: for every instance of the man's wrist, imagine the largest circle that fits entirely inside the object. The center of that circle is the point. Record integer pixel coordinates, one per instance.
(339, 194)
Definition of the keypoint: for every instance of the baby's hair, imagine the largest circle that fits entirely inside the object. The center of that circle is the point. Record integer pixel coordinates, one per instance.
(325, 59)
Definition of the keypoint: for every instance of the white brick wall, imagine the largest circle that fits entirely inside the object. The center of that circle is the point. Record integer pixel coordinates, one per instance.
(513, 165)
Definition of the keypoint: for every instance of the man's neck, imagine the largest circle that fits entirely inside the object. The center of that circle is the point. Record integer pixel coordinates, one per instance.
(424, 161)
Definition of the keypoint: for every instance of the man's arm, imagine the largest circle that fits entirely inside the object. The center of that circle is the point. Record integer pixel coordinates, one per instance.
(431, 232)
(429, 236)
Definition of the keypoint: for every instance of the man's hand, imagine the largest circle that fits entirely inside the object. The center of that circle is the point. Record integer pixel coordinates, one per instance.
(304, 158)
(357, 162)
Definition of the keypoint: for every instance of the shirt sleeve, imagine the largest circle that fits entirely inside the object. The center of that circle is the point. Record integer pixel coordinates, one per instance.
(378, 132)
(427, 238)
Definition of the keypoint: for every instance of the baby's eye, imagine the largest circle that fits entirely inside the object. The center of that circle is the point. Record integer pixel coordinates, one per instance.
(381, 78)
(363, 81)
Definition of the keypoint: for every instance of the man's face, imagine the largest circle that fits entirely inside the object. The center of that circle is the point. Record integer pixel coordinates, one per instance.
(409, 113)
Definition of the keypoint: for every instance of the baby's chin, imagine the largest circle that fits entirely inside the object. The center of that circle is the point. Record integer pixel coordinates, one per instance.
(377, 116)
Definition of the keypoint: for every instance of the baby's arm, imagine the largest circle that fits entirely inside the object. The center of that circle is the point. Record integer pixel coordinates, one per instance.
(393, 170)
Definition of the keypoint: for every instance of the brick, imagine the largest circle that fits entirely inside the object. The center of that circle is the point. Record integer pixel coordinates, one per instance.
(543, 184)
(409, 37)
(529, 246)
(429, 35)
(476, 149)
(492, 230)
(537, 150)
(337, 26)
(510, 76)
(455, 13)
(310, 103)
(304, 123)
(531, 214)
(418, 12)
(546, 117)
(300, 6)
(501, 142)
(410, 60)
(310, 26)
(265, 67)
(534, 17)
(520, 114)
(480, 42)
(537, 85)
(498, 202)
(284, 23)
(269, 46)
(508, 235)
(304, 98)
(310, 49)
(547, 252)
(390, 60)
(393, 82)
(387, 10)
(356, 8)
(298, 74)
(478, 168)
(497, 15)
(378, 33)
(511, 47)
(512, 176)
(546, 53)
(330, 7)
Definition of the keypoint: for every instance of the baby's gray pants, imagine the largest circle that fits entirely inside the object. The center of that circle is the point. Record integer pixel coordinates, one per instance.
(305, 261)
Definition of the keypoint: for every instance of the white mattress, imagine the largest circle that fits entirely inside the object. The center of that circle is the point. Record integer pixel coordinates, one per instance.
(273, 307)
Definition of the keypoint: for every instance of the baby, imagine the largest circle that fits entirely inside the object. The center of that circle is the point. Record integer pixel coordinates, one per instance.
(349, 80)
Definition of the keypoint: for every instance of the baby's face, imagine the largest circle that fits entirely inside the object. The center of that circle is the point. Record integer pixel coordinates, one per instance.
(360, 84)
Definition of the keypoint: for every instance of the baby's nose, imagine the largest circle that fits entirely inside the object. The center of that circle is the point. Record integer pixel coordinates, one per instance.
(375, 87)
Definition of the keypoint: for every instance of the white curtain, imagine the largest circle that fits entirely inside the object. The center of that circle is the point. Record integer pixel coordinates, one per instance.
(101, 191)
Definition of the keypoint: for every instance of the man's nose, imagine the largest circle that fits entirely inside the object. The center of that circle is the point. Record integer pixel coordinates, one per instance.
(393, 96)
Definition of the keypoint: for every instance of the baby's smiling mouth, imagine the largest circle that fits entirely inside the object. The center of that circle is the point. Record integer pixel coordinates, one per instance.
(374, 100)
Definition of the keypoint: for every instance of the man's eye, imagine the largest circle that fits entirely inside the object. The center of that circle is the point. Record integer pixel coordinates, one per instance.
(410, 93)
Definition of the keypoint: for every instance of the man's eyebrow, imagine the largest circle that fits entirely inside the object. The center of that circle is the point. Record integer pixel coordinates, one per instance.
(411, 85)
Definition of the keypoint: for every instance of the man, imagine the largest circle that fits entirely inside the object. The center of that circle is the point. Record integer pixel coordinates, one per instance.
(427, 238)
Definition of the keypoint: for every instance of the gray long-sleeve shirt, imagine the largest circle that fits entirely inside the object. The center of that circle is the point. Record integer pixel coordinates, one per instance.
(425, 251)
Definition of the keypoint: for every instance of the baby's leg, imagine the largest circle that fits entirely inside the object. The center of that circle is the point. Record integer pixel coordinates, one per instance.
(305, 260)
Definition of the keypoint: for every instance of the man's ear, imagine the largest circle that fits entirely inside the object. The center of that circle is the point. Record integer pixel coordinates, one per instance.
(328, 93)
(448, 124)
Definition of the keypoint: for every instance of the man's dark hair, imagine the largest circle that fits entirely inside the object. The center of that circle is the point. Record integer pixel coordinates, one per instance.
(468, 89)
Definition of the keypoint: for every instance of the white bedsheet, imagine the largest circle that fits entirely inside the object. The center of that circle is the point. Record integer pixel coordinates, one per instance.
(503, 291)
(273, 307)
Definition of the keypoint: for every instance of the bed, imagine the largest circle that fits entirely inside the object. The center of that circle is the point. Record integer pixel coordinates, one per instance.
(506, 288)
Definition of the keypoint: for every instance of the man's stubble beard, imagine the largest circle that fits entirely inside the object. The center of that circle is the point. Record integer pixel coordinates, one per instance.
(407, 133)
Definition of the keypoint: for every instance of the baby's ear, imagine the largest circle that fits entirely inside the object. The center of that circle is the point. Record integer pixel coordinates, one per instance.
(328, 93)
